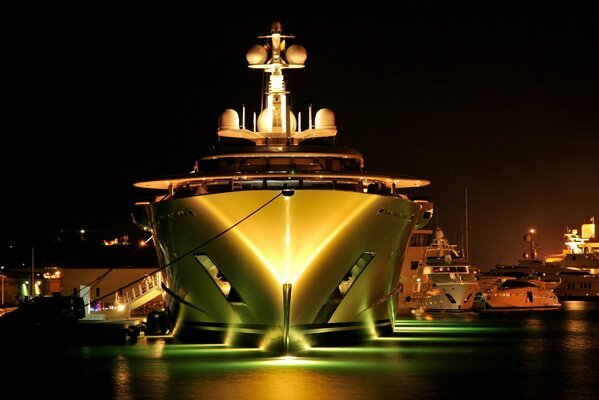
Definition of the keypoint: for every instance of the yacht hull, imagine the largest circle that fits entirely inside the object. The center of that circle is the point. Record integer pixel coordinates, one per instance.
(577, 287)
(519, 299)
(450, 298)
(310, 267)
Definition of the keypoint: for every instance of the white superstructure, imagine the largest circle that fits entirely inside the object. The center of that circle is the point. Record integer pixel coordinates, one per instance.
(444, 280)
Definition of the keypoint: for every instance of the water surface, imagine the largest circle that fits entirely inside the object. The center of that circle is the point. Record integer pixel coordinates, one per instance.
(525, 354)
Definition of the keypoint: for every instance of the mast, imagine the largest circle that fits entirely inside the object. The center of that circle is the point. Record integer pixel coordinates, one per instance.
(276, 123)
(32, 284)
(276, 117)
(466, 223)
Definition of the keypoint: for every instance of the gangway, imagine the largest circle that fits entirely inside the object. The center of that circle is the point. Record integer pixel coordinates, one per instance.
(138, 295)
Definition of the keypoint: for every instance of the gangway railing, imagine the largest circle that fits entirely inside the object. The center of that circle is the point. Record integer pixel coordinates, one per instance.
(139, 294)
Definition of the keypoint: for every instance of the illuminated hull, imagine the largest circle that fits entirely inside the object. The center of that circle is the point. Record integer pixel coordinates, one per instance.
(450, 298)
(261, 266)
(577, 287)
(455, 297)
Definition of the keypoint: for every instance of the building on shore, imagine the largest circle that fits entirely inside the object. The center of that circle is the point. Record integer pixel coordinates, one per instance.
(102, 272)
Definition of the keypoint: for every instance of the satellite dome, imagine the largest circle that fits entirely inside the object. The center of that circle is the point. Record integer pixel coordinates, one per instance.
(229, 119)
(296, 54)
(325, 119)
(256, 55)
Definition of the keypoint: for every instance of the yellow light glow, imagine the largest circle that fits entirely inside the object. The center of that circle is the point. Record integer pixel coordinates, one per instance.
(287, 241)
(285, 250)
(324, 243)
(222, 214)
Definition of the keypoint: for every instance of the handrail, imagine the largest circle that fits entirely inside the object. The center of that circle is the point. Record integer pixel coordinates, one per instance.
(148, 284)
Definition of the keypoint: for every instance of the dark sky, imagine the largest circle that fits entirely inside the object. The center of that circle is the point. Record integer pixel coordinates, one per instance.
(501, 101)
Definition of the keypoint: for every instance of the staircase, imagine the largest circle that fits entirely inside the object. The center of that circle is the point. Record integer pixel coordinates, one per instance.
(139, 294)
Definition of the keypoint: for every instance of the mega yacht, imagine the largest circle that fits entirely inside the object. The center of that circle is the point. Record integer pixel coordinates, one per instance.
(581, 250)
(279, 237)
(444, 280)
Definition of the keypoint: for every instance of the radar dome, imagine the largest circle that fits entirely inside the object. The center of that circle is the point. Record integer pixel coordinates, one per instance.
(256, 55)
(229, 119)
(325, 119)
(265, 121)
(296, 54)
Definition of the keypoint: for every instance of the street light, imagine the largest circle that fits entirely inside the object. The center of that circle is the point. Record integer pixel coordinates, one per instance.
(529, 237)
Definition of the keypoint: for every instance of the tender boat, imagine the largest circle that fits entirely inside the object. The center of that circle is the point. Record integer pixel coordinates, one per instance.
(279, 237)
(518, 294)
(444, 280)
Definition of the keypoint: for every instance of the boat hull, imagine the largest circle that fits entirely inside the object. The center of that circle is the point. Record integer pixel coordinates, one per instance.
(450, 298)
(577, 287)
(531, 298)
(454, 298)
(260, 267)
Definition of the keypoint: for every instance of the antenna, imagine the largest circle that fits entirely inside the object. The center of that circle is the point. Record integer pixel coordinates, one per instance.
(243, 116)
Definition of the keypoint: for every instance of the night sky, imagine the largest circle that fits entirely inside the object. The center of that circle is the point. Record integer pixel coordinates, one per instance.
(501, 101)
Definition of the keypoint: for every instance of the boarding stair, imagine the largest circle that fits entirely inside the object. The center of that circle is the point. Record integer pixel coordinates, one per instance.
(139, 294)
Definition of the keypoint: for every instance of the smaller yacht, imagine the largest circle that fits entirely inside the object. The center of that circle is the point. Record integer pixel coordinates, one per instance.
(517, 294)
(444, 280)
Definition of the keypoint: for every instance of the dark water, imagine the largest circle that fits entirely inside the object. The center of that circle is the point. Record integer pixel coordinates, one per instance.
(525, 354)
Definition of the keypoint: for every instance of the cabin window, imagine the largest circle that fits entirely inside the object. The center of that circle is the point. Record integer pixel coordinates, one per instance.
(214, 273)
(329, 307)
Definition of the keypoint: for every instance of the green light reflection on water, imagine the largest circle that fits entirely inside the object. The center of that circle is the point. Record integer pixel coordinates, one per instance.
(421, 338)
(452, 329)
(167, 369)
(428, 326)
(421, 359)
(205, 358)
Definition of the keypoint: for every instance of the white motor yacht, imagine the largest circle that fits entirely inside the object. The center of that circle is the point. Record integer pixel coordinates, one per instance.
(444, 280)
